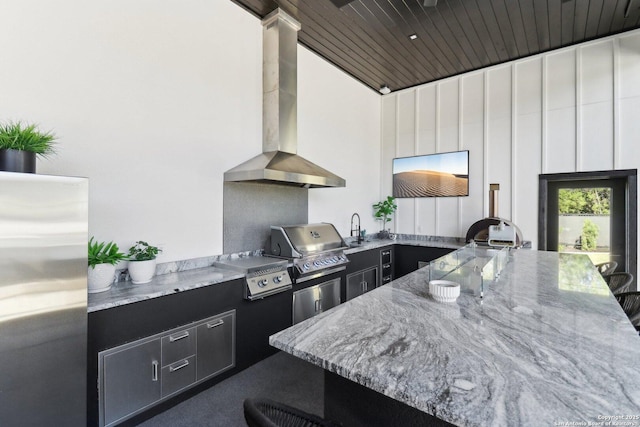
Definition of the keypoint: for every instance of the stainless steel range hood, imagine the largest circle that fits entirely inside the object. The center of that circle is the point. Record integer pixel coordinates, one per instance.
(279, 162)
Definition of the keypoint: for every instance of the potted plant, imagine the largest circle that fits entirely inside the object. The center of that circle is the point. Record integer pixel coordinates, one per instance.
(20, 144)
(102, 258)
(383, 211)
(142, 262)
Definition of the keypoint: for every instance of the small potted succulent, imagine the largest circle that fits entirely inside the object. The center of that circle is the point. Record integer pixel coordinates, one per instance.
(142, 262)
(20, 144)
(383, 211)
(102, 259)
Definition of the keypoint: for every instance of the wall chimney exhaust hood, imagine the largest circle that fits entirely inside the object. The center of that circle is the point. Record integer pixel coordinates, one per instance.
(279, 162)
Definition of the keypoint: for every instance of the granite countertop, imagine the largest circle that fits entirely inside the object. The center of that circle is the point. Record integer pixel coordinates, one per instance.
(410, 240)
(192, 274)
(123, 293)
(547, 344)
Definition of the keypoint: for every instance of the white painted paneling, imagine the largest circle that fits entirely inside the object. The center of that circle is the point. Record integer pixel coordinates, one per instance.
(629, 65)
(472, 88)
(630, 133)
(628, 72)
(448, 133)
(597, 137)
(498, 122)
(527, 145)
(529, 86)
(388, 150)
(529, 117)
(388, 134)
(406, 146)
(596, 71)
(561, 79)
(426, 143)
(560, 94)
(561, 140)
(449, 120)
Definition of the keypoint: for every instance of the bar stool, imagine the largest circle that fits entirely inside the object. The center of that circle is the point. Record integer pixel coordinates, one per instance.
(606, 268)
(618, 282)
(630, 303)
(267, 413)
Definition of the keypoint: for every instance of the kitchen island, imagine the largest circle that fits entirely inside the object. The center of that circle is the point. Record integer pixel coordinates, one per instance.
(548, 344)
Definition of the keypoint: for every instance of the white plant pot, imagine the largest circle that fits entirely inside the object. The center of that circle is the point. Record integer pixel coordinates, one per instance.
(142, 271)
(100, 278)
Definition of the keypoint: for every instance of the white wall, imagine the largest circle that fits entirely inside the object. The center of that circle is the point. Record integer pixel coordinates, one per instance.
(569, 110)
(339, 129)
(154, 99)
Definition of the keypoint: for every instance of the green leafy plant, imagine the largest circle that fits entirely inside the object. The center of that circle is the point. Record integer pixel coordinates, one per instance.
(589, 235)
(26, 137)
(104, 253)
(142, 251)
(384, 210)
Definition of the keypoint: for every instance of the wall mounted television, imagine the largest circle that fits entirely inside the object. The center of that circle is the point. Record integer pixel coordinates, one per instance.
(432, 175)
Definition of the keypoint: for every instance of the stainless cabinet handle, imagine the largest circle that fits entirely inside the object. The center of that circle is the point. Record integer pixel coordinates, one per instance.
(215, 325)
(184, 364)
(154, 371)
(318, 305)
(184, 335)
(364, 286)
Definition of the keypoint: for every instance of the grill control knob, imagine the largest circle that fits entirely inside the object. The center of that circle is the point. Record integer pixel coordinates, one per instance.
(306, 266)
(262, 283)
(277, 279)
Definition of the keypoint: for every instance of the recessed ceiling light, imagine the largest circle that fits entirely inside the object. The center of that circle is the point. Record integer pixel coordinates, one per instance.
(413, 36)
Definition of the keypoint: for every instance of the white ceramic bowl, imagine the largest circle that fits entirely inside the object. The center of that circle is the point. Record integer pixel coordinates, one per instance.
(444, 290)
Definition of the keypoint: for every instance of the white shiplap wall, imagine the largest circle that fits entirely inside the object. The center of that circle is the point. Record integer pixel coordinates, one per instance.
(569, 110)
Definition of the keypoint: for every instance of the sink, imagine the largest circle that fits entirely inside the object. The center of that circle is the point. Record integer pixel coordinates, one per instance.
(358, 245)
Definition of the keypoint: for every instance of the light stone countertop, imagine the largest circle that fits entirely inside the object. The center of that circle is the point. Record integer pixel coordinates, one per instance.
(192, 274)
(547, 344)
(123, 293)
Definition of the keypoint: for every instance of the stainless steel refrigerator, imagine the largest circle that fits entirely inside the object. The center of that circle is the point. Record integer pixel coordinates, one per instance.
(43, 300)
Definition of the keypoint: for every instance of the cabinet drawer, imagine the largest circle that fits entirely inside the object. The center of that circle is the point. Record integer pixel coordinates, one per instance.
(178, 375)
(178, 345)
(216, 345)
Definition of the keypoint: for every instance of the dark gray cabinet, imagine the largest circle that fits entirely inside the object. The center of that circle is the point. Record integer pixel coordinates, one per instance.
(407, 258)
(314, 300)
(362, 281)
(134, 376)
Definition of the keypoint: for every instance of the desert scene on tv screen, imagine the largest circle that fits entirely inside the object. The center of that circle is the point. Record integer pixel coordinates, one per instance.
(435, 175)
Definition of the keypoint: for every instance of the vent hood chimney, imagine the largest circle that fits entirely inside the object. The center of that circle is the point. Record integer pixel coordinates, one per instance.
(279, 163)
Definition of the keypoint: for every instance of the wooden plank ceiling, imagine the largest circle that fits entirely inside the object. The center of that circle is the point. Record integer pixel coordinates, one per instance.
(370, 39)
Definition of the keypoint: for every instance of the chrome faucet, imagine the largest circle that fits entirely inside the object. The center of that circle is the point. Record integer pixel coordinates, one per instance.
(357, 230)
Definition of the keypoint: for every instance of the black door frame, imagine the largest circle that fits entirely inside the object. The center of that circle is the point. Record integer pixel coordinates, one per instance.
(547, 182)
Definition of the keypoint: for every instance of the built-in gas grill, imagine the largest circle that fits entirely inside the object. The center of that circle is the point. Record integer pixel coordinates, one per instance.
(264, 276)
(314, 249)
